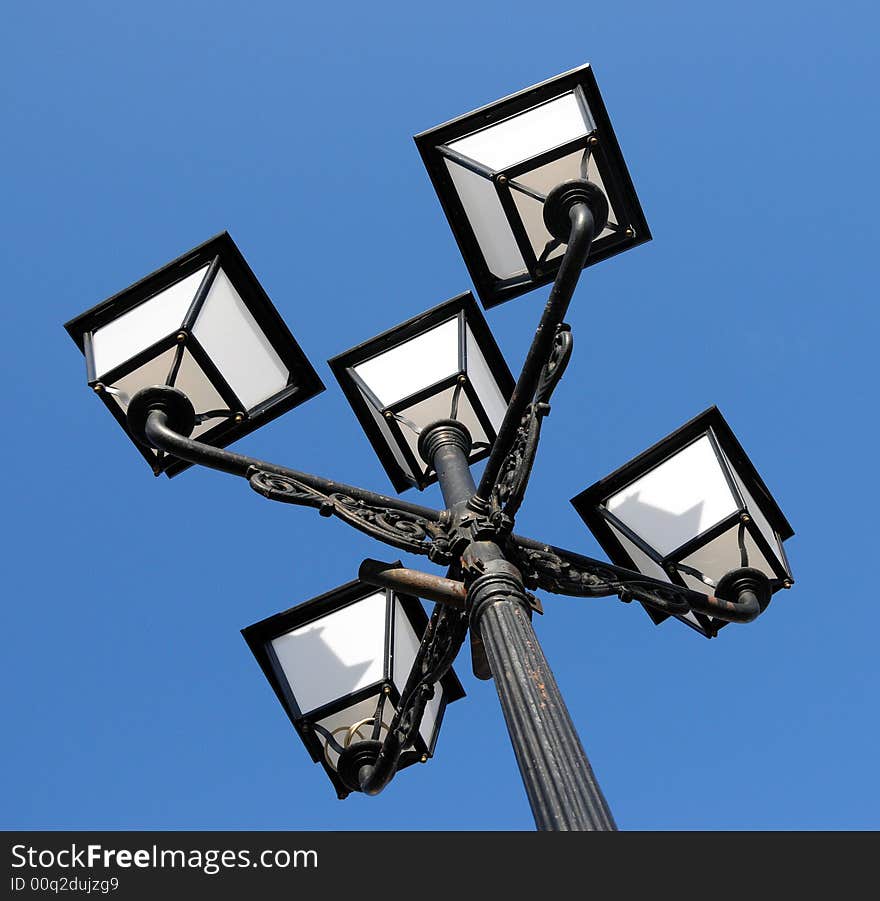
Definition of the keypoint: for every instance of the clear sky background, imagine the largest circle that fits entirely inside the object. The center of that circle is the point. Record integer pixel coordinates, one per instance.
(133, 132)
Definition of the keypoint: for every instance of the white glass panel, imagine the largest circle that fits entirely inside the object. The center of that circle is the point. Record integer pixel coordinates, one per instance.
(594, 176)
(677, 500)
(437, 407)
(484, 382)
(488, 221)
(191, 379)
(413, 365)
(644, 564)
(544, 179)
(527, 134)
(722, 555)
(691, 617)
(237, 346)
(341, 724)
(335, 655)
(406, 644)
(756, 513)
(143, 326)
(389, 439)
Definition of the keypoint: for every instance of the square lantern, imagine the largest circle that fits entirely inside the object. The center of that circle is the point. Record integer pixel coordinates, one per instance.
(204, 324)
(689, 510)
(493, 169)
(443, 364)
(340, 661)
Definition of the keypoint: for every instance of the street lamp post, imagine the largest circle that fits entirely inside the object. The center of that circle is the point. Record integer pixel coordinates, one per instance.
(195, 355)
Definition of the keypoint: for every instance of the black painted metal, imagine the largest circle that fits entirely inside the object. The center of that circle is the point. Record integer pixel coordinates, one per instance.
(433, 147)
(445, 446)
(411, 581)
(158, 434)
(542, 344)
(516, 469)
(559, 781)
(303, 382)
(561, 788)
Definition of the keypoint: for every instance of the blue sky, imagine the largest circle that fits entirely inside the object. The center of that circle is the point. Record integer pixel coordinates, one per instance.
(134, 132)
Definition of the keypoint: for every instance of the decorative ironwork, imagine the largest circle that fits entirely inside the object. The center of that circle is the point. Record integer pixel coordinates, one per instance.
(553, 572)
(440, 645)
(513, 477)
(556, 363)
(562, 572)
(400, 528)
(288, 490)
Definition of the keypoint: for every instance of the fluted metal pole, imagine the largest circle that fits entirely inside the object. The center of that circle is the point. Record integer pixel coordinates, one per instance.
(559, 781)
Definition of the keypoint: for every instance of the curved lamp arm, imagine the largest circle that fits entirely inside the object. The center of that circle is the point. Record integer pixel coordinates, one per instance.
(560, 571)
(158, 431)
(583, 225)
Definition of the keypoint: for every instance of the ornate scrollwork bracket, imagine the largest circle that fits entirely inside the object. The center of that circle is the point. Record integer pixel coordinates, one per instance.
(510, 487)
(564, 572)
(400, 528)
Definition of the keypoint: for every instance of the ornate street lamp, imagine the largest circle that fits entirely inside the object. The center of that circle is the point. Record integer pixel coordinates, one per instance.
(340, 665)
(494, 168)
(692, 509)
(202, 324)
(193, 356)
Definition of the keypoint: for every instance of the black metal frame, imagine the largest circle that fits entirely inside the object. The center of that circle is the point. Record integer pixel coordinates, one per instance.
(259, 638)
(590, 505)
(359, 395)
(612, 167)
(218, 252)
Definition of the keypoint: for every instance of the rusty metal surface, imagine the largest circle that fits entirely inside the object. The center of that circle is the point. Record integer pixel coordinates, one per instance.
(412, 581)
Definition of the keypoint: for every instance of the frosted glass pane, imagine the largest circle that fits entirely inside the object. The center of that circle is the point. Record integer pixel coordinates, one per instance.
(594, 176)
(389, 439)
(526, 135)
(413, 365)
(406, 644)
(484, 382)
(237, 345)
(691, 617)
(488, 221)
(335, 655)
(757, 513)
(436, 407)
(644, 564)
(432, 711)
(544, 179)
(143, 326)
(677, 500)
(340, 723)
(191, 379)
(722, 555)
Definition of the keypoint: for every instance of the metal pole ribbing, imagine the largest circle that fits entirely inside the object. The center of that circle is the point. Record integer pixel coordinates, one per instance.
(559, 781)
